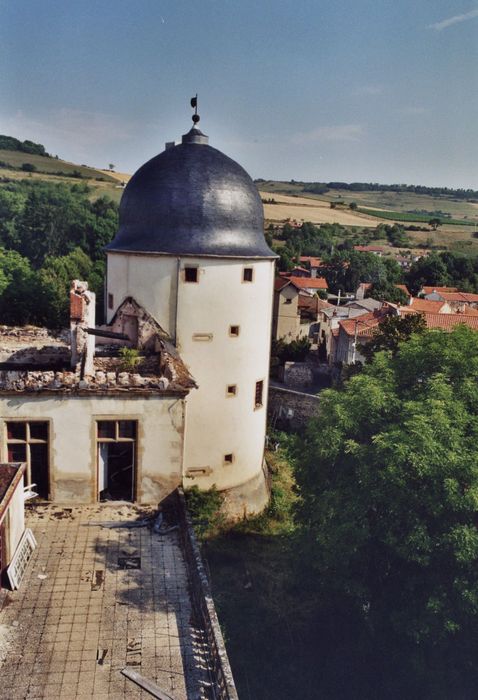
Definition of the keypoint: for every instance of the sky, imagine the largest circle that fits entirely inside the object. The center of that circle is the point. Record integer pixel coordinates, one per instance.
(351, 90)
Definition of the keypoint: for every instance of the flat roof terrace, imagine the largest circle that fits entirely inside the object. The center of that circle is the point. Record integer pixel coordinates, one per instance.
(96, 600)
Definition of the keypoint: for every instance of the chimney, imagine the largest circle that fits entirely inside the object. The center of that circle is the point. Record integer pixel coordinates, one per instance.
(82, 316)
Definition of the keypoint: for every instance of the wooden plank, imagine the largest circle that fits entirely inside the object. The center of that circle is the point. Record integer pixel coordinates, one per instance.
(147, 685)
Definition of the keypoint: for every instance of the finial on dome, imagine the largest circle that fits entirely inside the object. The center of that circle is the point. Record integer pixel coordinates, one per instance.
(194, 105)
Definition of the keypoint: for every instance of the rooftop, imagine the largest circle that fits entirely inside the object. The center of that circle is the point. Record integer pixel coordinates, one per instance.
(95, 600)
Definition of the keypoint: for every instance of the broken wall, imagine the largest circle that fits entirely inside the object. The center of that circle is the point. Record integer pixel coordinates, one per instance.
(73, 446)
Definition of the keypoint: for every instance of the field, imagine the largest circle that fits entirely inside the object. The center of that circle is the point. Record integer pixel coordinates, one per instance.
(313, 210)
(409, 217)
(52, 166)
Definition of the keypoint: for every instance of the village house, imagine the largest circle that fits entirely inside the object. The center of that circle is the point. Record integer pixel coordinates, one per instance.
(295, 311)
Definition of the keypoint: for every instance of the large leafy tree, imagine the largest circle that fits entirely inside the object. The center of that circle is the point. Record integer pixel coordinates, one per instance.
(388, 475)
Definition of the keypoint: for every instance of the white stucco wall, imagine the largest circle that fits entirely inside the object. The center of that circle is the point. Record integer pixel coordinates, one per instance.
(216, 425)
(73, 453)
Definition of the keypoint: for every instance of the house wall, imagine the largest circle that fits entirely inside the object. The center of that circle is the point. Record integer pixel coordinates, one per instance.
(216, 425)
(286, 314)
(73, 448)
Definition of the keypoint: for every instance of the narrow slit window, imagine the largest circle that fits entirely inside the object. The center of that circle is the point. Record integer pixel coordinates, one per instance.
(110, 301)
(234, 331)
(231, 390)
(190, 274)
(259, 398)
(248, 274)
(229, 458)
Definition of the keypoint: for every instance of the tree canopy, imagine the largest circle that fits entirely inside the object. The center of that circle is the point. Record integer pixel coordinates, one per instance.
(388, 476)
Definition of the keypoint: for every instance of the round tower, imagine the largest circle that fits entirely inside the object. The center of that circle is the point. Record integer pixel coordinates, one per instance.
(191, 250)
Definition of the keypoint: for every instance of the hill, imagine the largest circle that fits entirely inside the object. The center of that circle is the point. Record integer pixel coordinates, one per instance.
(459, 216)
(19, 160)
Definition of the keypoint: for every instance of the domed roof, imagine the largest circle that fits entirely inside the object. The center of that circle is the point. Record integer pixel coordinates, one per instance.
(191, 199)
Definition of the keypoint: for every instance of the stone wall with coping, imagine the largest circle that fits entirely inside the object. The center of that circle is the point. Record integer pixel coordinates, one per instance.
(292, 409)
(223, 686)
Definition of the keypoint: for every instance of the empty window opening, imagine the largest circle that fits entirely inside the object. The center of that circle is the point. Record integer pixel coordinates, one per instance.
(258, 399)
(27, 441)
(229, 458)
(248, 274)
(234, 331)
(288, 301)
(231, 389)
(190, 274)
(116, 448)
(110, 301)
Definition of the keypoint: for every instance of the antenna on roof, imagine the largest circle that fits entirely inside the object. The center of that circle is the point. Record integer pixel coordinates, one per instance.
(194, 105)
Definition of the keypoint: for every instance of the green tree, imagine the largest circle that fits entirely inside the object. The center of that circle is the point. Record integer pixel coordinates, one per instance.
(388, 476)
(391, 332)
(434, 222)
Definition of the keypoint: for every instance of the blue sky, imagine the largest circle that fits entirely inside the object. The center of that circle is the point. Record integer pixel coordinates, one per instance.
(367, 90)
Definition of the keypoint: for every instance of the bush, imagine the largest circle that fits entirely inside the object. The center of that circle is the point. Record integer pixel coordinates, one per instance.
(205, 508)
(29, 167)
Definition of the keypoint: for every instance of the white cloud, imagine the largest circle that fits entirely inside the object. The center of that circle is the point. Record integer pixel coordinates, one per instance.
(443, 24)
(341, 132)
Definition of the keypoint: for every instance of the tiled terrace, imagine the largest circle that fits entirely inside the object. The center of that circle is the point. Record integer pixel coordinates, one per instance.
(79, 617)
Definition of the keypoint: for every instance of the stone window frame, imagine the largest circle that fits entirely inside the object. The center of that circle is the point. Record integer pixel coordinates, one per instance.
(27, 442)
(98, 440)
(231, 333)
(231, 394)
(229, 458)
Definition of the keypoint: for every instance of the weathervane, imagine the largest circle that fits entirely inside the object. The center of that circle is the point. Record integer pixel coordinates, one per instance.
(194, 105)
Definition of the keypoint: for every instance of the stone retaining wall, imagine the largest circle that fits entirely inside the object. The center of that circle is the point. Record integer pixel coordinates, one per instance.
(290, 409)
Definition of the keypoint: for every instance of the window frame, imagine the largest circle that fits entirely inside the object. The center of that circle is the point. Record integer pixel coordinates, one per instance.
(245, 269)
(190, 268)
(259, 385)
(234, 335)
(27, 442)
(231, 394)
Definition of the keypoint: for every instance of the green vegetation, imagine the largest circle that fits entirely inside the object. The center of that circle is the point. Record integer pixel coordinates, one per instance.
(407, 216)
(10, 143)
(130, 359)
(372, 589)
(50, 233)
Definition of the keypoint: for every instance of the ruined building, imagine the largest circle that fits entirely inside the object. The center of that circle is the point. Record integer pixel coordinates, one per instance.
(189, 295)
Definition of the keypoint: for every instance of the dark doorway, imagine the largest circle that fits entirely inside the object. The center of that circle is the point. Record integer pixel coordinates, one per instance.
(116, 460)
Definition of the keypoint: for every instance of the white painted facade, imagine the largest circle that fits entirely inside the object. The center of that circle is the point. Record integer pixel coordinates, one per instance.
(199, 316)
(13, 521)
(73, 448)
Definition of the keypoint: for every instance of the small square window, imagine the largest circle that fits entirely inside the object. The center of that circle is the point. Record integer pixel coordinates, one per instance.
(234, 331)
(258, 398)
(190, 274)
(229, 458)
(110, 301)
(248, 274)
(231, 390)
(288, 301)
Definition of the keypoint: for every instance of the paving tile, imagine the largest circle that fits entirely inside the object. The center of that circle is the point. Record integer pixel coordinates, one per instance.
(64, 628)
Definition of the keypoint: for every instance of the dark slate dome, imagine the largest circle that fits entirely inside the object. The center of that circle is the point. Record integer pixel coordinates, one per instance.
(191, 199)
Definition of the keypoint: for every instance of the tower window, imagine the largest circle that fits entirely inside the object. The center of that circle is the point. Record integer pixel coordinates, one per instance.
(229, 458)
(258, 397)
(110, 301)
(190, 274)
(231, 390)
(234, 331)
(248, 274)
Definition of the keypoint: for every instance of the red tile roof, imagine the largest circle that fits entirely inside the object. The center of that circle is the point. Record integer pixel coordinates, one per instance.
(369, 248)
(448, 321)
(464, 297)
(308, 282)
(313, 262)
(426, 305)
(430, 290)
(280, 283)
(404, 288)
(363, 325)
